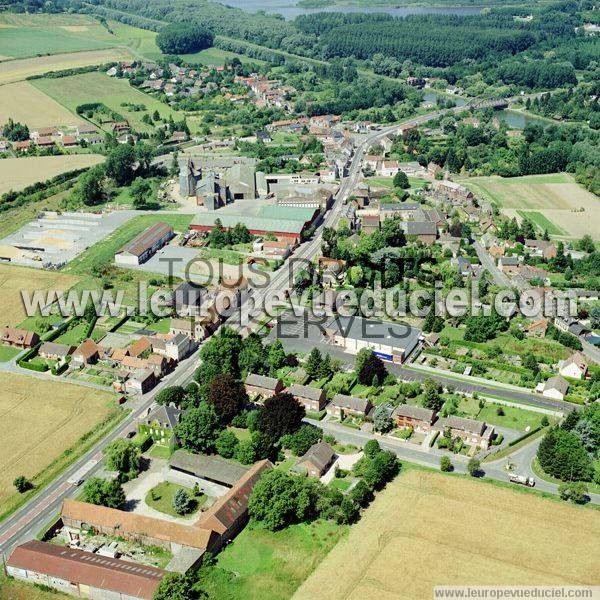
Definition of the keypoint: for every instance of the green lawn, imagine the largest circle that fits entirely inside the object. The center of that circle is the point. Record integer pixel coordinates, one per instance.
(515, 418)
(161, 452)
(241, 434)
(165, 492)
(103, 252)
(98, 87)
(215, 57)
(340, 484)
(287, 464)
(75, 335)
(7, 353)
(264, 565)
(161, 326)
(542, 222)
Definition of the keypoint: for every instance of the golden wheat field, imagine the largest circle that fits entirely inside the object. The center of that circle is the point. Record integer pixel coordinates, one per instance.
(18, 173)
(427, 529)
(14, 279)
(24, 103)
(41, 419)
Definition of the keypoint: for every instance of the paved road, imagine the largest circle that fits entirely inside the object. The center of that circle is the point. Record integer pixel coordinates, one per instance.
(430, 457)
(500, 279)
(26, 522)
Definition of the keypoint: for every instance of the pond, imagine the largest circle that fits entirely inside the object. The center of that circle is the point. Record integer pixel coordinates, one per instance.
(289, 10)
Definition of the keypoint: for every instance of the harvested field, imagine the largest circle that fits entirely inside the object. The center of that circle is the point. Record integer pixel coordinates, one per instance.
(18, 173)
(557, 199)
(24, 103)
(427, 529)
(19, 70)
(46, 418)
(14, 279)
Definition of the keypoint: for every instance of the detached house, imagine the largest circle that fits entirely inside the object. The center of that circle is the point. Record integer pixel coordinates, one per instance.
(508, 264)
(87, 353)
(575, 366)
(19, 338)
(542, 248)
(317, 460)
(160, 423)
(313, 399)
(556, 388)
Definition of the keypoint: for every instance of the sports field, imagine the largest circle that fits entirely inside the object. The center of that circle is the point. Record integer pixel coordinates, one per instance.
(13, 279)
(24, 103)
(427, 529)
(555, 202)
(18, 173)
(42, 419)
(98, 87)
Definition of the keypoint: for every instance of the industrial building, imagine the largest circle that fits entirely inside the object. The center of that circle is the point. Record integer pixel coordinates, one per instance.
(144, 245)
(390, 341)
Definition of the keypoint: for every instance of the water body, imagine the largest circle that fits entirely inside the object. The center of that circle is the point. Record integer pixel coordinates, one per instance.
(518, 120)
(289, 10)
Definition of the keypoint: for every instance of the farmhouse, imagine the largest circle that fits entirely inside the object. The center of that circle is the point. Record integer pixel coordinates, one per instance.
(452, 191)
(54, 351)
(19, 338)
(82, 574)
(144, 245)
(195, 329)
(556, 388)
(87, 353)
(575, 366)
(160, 423)
(542, 248)
(420, 419)
(220, 523)
(508, 264)
(260, 385)
(390, 341)
(342, 405)
(313, 399)
(474, 433)
(424, 231)
(142, 381)
(317, 460)
(212, 468)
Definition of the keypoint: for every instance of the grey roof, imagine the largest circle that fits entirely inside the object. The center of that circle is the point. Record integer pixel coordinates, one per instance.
(385, 332)
(414, 412)
(399, 206)
(319, 454)
(147, 238)
(214, 468)
(167, 416)
(470, 425)
(350, 402)
(557, 383)
(511, 261)
(420, 228)
(305, 391)
(269, 383)
(53, 348)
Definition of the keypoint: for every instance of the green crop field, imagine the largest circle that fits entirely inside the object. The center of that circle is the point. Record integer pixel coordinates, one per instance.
(542, 222)
(98, 87)
(215, 57)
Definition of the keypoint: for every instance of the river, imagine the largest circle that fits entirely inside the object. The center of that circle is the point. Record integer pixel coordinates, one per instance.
(289, 10)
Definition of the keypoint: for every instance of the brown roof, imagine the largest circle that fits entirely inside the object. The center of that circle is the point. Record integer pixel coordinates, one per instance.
(69, 140)
(140, 346)
(19, 336)
(111, 518)
(233, 505)
(414, 412)
(119, 354)
(318, 455)
(146, 239)
(133, 362)
(87, 348)
(77, 566)
(462, 424)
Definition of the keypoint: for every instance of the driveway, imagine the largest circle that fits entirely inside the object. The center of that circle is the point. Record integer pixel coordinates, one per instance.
(343, 461)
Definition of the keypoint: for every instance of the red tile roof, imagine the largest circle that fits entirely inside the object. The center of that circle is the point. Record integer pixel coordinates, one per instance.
(81, 567)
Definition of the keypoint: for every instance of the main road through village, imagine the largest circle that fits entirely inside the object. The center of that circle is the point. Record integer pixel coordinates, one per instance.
(26, 522)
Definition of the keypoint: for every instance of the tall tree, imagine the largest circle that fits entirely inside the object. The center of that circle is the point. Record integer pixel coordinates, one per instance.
(198, 428)
(279, 415)
(227, 396)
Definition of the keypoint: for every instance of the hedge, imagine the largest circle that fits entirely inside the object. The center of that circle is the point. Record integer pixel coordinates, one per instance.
(526, 435)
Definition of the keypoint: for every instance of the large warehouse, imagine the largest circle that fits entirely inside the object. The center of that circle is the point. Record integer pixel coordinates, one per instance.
(144, 245)
(390, 341)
